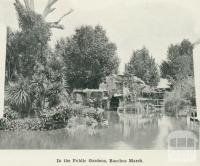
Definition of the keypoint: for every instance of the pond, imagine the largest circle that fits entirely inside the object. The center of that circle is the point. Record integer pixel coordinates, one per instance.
(124, 131)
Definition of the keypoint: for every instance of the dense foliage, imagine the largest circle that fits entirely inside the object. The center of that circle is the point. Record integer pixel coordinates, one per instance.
(89, 56)
(178, 69)
(54, 118)
(143, 66)
(34, 76)
(27, 46)
(38, 78)
(179, 64)
(17, 95)
(11, 114)
(181, 97)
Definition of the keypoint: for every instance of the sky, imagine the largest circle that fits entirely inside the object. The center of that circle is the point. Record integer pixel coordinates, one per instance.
(131, 24)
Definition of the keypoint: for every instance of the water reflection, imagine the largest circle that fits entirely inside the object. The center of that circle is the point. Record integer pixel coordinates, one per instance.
(124, 131)
(137, 131)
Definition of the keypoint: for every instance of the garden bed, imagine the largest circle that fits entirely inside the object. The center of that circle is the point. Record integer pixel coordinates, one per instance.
(56, 118)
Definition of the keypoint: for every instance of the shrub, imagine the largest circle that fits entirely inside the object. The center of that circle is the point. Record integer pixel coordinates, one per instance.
(4, 124)
(10, 114)
(85, 111)
(50, 119)
(56, 117)
(59, 113)
(18, 95)
(25, 124)
(28, 124)
(183, 95)
(77, 109)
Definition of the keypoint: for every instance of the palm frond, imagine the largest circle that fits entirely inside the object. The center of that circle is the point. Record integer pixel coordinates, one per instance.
(18, 93)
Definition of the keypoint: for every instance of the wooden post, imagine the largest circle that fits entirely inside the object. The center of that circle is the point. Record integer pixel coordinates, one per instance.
(2, 66)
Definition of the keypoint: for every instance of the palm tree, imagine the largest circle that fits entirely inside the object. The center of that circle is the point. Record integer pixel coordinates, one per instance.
(17, 95)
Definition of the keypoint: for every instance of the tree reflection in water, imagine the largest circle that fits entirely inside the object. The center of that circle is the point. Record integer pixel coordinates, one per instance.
(138, 128)
(124, 131)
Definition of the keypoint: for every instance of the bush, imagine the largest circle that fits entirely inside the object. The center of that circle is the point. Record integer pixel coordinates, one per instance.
(50, 119)
(182, 96)
(11, 114)
(77, 109)
(85, 111)
(17, 95)
(54, 118)
(30, 124)
(174, 104)
(26, 124)
(4, 124)
(59, 113)
(57, 117)
(21, 124)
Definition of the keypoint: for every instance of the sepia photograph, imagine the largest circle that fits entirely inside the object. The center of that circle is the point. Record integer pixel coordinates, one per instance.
(99, 75)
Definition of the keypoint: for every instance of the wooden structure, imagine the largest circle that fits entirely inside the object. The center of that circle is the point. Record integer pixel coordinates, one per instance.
(156, 103)
(153, 97)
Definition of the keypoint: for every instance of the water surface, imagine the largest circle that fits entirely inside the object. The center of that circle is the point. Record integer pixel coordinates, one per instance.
(124, 131)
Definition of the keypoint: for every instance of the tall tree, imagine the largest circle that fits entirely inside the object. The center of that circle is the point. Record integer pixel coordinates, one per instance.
(29, 58)
(89, 56)
(28, 46)
(179, 63)
(143, 66)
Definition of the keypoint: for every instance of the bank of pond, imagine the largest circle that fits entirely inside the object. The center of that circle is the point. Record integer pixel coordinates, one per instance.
(75, 116)
(55, 118)
(120, 131)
